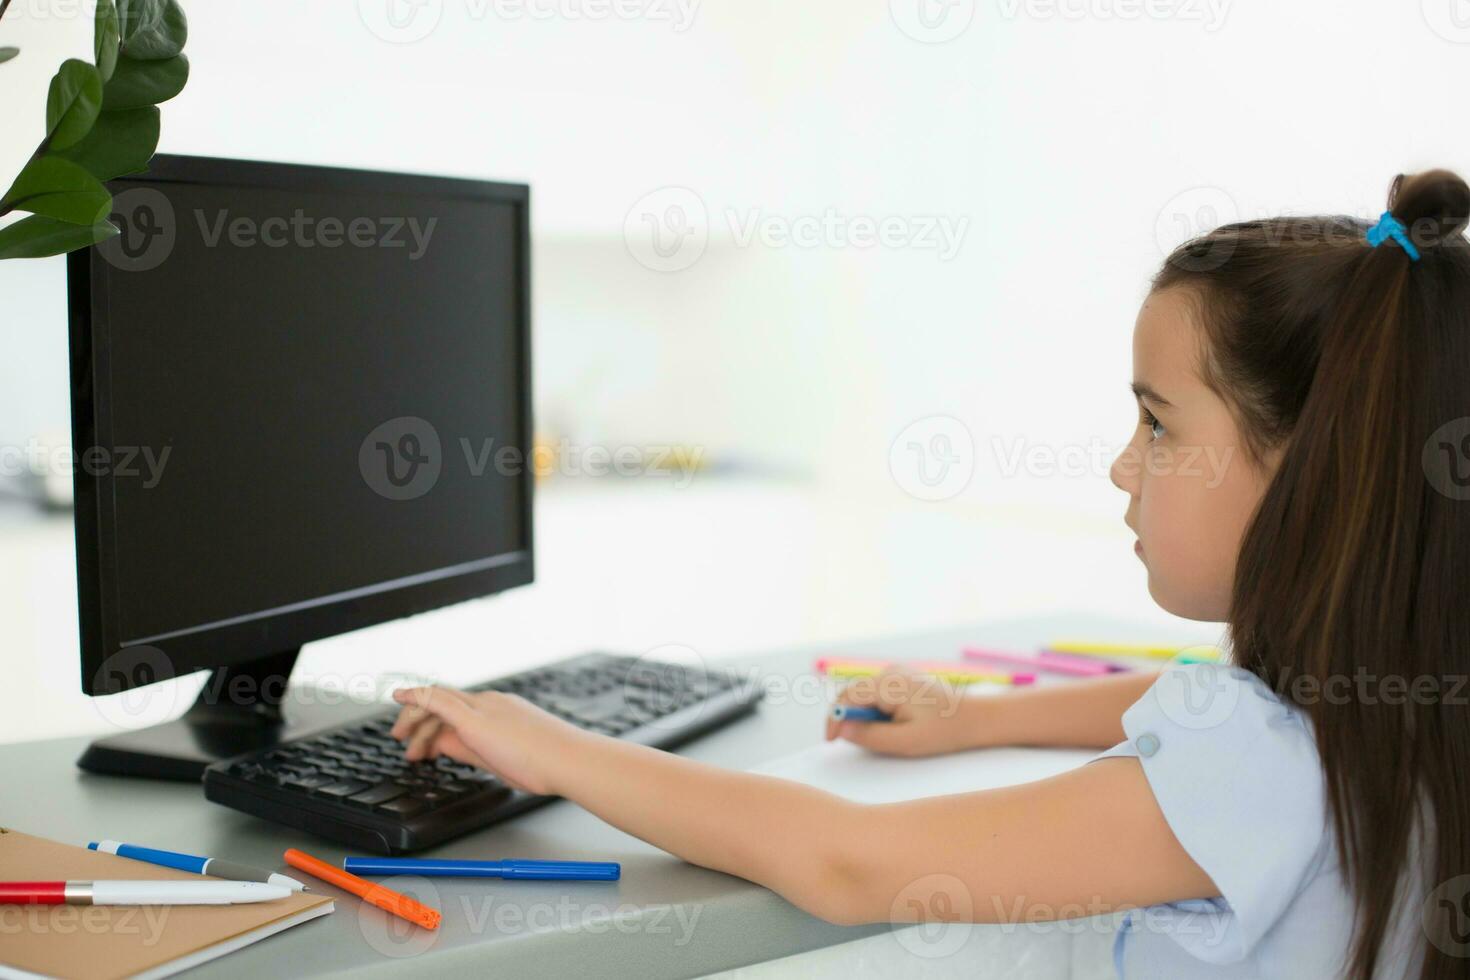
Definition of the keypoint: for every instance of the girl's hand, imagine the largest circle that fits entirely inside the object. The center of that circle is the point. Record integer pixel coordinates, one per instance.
(930, 716)
(501, 733)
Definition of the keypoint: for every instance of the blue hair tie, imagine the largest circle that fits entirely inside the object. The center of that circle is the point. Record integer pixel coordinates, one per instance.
(1390, 227)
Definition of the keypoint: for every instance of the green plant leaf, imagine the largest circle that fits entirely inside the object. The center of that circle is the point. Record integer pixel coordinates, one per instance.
(59, 188)
(161, 37)
(121, 142)
(7, 53)
(106, 39)
(139, 83)
(39, 236)
(73, 102)
(136, 15)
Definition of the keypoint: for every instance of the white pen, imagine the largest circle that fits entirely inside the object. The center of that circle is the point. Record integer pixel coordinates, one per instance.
(138, 892)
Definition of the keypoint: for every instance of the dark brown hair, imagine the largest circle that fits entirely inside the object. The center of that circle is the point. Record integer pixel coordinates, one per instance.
(1354, 363)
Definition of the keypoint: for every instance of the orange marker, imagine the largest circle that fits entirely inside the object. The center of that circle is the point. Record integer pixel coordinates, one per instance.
(375, 894)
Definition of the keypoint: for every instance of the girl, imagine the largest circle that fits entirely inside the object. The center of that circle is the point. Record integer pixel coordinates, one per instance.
(1302, 813)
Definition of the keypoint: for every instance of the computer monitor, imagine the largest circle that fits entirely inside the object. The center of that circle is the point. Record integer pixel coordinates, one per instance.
(301, 406)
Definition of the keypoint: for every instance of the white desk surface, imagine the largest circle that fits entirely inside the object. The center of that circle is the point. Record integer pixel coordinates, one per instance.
(677, 920)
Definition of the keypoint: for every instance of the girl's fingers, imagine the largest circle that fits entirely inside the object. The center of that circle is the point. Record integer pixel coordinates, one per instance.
(444, 703)
(425, 712)
(885, 737)
(887, 690)
(422, 740)
(859, 691)
(449, 743)
(407, 720)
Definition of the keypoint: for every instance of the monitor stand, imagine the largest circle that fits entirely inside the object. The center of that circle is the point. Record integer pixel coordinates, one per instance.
(239, 710)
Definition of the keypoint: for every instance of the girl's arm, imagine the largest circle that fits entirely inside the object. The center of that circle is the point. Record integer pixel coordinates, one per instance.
(1085, 842)
(930, 717)
(1088, 714)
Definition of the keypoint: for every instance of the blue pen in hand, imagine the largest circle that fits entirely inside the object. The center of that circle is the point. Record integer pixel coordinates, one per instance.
(851, 712)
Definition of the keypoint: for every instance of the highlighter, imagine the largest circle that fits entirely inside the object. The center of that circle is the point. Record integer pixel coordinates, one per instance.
(374, 894)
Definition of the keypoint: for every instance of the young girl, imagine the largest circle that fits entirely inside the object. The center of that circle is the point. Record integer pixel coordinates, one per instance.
(1301, 813)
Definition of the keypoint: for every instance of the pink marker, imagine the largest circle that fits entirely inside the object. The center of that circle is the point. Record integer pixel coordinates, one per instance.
(1057, 663)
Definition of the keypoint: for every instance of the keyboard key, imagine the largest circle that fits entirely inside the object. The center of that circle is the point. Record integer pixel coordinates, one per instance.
(343, 787)
(465, 788)
(403, 806)
(381, 793)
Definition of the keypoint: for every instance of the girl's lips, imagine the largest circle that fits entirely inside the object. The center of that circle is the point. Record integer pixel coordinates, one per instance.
(1138, 547)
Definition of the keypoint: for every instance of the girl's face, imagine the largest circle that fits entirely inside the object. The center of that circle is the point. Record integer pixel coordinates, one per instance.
(1191, 486)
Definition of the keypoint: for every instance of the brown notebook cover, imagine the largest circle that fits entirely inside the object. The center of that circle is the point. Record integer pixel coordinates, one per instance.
(105, 941)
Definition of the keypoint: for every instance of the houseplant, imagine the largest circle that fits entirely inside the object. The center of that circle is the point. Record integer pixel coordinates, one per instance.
(102, 121)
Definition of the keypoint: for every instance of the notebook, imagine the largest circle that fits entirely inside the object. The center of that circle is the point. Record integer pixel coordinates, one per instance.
(866, 777)
(99, 942)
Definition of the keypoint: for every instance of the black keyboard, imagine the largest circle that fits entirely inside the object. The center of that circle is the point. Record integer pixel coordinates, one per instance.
(352, 785)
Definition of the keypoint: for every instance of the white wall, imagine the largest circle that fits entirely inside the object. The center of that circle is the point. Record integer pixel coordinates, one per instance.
(1076, 142)
(1066, 135)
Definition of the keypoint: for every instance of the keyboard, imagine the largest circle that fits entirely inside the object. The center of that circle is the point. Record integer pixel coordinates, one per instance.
(352, 785)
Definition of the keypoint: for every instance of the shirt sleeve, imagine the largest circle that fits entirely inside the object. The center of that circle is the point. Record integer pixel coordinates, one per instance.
(1235, 771)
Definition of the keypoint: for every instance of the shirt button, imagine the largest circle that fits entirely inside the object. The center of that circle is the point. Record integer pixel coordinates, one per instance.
(1146, 744)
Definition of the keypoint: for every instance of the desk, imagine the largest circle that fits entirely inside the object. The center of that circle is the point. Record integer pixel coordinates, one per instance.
(664, 919)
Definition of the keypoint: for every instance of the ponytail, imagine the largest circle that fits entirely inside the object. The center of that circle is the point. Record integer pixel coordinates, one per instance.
(1354, 360)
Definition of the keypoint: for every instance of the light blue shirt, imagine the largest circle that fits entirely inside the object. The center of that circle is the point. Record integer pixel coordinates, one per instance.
(1235, 771)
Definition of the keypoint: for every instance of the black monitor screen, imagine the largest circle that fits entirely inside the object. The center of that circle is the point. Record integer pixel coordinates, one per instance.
(323, 390)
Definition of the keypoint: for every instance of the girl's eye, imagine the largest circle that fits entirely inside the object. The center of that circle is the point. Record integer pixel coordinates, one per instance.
(1156, 429)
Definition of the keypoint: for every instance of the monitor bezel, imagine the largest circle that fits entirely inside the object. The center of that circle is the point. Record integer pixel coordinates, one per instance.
(233, 643)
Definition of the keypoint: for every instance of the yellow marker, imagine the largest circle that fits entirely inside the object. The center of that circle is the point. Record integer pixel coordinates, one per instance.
(952, 676)
(1200, 652)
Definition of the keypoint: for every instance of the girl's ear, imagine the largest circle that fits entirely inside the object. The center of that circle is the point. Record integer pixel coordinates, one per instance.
(1271, 459)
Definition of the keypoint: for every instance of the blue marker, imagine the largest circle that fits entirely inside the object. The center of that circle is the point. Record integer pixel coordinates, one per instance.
(199, 865)
(851, 712)
(524, 870)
